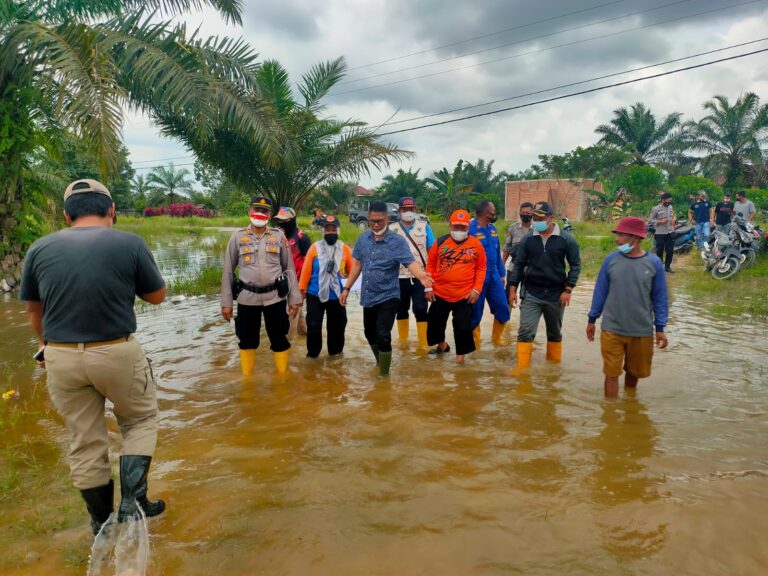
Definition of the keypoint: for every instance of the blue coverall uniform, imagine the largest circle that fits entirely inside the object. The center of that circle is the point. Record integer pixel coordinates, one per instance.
(493, 288)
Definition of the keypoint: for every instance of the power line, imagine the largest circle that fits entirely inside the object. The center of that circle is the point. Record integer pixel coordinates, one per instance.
(565, 45)
(571, 84)
(162, 166)
(163, 159)
(487, 35)
(548, 35)
(572, 94)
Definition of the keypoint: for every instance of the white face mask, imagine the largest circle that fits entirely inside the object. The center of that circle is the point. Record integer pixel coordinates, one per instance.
(379, 233)
(259, 220)
(408, 216)
(459, 235)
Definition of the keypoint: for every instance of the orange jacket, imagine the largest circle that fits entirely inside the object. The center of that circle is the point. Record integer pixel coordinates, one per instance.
(456, 268)
(310, 269)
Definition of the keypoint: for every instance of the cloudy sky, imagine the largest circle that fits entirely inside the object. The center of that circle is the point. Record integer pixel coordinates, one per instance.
(411, 58)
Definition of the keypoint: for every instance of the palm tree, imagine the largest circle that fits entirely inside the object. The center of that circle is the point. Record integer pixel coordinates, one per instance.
(733, 138)
(449, 192)
(141, 186)
(171, 182)
(77, 65)
(637, 132)
(401, 184)
(313, 150)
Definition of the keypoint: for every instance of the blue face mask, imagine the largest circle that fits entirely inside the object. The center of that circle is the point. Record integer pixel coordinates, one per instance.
(625, 248)
(540, 226)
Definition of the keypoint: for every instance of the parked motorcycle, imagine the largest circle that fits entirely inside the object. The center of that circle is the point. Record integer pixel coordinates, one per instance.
(721, 255)
(567, 226)
(684, 236)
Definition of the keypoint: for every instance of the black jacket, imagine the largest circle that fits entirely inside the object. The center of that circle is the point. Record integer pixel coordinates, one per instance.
(541, 269)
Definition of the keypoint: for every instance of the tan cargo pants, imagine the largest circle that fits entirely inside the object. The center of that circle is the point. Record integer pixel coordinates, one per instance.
(79, 380)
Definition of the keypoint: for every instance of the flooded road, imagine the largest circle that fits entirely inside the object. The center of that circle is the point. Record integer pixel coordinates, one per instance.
(438, 469)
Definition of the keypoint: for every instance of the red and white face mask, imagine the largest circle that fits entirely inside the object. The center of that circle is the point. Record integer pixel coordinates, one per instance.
(259, 219)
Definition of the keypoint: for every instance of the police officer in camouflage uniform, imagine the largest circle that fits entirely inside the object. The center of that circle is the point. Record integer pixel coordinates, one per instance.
(266, 278)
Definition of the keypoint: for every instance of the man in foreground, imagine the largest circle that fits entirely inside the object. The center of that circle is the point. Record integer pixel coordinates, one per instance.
(80, 285)
(631, 295)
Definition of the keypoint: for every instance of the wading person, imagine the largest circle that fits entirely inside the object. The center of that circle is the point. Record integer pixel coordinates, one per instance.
(416, 230)
(663, 220)
(328, 261)
(515, 235)
(700, 214)
(299, 244)
(546, 287)
(631, 296)
(80, 285)
(266, 278)
(378, 254)
(457, 268)
(483, 229)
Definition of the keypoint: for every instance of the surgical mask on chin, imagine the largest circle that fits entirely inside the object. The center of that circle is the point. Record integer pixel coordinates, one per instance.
(625, 248)
(459, 235)
(408, 216)
(379, 233)
(330, 239)
(541, 226)
(259, 220)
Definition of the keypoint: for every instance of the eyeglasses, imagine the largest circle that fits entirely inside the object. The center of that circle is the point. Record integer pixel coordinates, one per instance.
(377, 221)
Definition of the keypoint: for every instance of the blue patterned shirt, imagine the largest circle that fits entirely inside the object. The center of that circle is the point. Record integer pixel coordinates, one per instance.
(381, 266)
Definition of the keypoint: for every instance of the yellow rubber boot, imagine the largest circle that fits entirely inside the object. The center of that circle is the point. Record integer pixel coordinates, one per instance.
(524, 352)
(247, 361)
(554, 351)
(402, 329)
(421, 329)
(476, 336)
(497, 337)
(281, 361)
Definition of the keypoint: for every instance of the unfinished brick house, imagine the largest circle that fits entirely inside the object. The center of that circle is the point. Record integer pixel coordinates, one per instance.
(567, 196)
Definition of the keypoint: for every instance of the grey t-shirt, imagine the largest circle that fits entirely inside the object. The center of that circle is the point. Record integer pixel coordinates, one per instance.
(87, 279)
(744, 209)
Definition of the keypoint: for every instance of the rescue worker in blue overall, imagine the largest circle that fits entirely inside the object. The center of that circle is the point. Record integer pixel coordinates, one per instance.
(483, 229)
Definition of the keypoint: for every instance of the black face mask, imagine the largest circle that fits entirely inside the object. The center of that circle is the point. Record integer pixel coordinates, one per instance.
(330, 239)
(526, 217)
(287, 227)
(493, 218)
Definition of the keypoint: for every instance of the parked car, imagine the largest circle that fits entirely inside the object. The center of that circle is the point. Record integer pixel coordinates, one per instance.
(358, 212)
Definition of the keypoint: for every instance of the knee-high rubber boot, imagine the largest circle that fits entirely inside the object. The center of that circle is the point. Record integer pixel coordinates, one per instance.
(100, 502)
(375, 350)
(385, 359)
(133, 488)
(281, 361)
(554, 351)
(421, 329)
(524, 352)
(402, 329)
(247, 361)
(476, 335)
(497, 337)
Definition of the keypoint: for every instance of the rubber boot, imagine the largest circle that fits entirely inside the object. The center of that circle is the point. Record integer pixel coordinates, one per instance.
(554, 351)
(497, 337)
(133, 488)
(247, 361)
(421, 329)
(281, 361)
(375, 350)
(524, 352)
(402, 329)
(99, 502)
(385, 359)
(476, 336)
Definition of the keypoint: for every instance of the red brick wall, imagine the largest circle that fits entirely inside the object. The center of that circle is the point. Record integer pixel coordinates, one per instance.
(566, 196)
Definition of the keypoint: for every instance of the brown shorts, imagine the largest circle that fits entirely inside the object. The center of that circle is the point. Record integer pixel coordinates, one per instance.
(631, 354)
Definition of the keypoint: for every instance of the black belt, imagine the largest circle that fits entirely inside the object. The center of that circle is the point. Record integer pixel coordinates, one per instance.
(256, 289)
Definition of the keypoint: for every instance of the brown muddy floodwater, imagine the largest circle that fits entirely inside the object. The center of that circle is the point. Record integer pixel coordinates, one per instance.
(437, 469)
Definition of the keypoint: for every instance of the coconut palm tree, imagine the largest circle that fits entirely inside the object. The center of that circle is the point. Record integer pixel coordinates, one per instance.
(170, 182)
(450, 193)
(313, 149)
(636, 131)
(401, 184)
(140, 186)
(733, 138)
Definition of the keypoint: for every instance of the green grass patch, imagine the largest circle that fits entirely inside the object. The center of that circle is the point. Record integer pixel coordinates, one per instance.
(204, 281)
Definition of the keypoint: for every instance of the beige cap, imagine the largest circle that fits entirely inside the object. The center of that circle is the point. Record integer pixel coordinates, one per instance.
(85, 185)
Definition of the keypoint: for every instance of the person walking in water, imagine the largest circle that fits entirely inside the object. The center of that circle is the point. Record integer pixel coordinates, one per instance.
(79, 285)
(483, 229)
(631, 296)
(515, 235)
(267, 278)
(416, 230)
(457, 267)
(299, 244)
(546, 287)
(378, 254)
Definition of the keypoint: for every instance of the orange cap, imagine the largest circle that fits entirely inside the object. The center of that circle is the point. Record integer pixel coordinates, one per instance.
(460, 217)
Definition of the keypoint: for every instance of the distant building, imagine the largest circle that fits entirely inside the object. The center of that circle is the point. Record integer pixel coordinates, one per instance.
(362, 191)
(568, 196)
